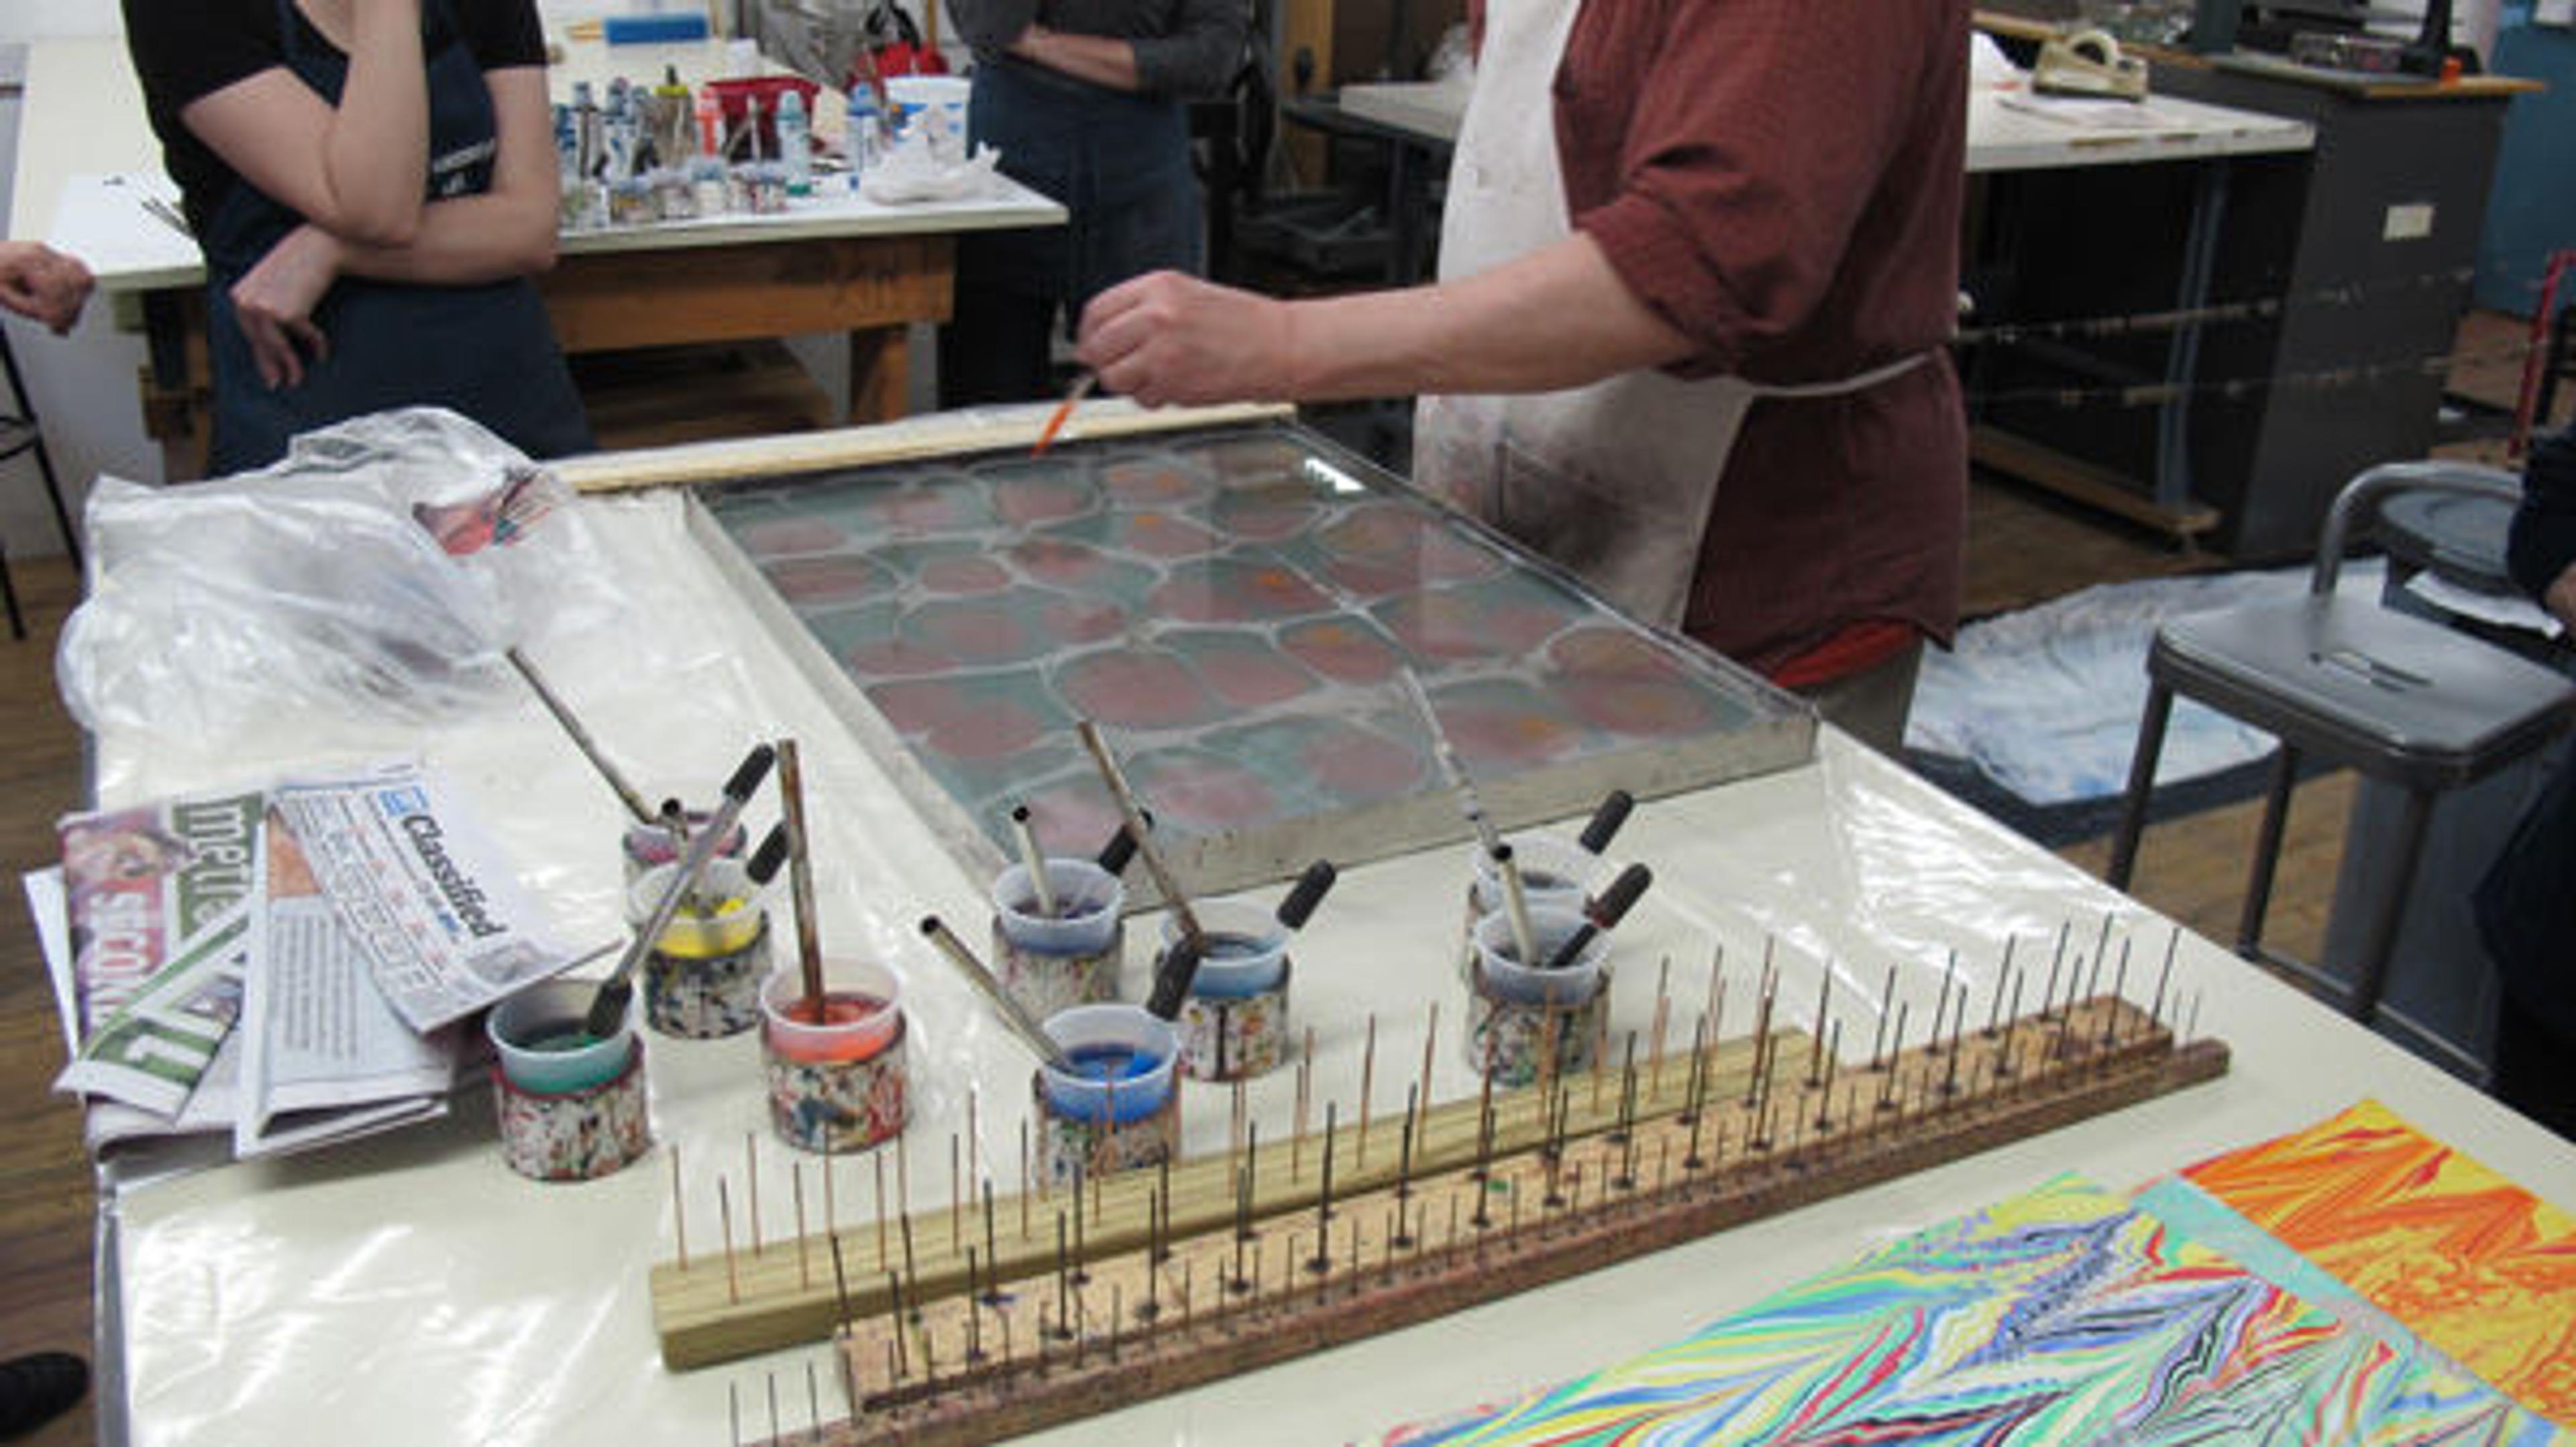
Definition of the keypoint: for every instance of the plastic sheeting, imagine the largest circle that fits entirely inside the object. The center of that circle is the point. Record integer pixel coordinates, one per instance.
(2075, 670)
(377, 570)
(413, 1289)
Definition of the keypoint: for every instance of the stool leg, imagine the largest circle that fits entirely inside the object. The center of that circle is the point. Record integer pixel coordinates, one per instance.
(2142, 781)
(2267, 853)
(9, 590)
(2379, 933)
(44, 460)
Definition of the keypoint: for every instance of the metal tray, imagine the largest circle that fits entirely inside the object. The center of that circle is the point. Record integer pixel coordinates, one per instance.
(1230, 605)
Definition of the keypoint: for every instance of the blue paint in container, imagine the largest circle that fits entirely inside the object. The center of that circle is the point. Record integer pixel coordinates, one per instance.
(1122, 1059)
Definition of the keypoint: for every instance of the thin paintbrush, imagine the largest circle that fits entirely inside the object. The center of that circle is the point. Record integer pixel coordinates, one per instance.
(1063, 413)
(1134, 815)
(1452, 768)
(1015, 1019)
(581, 739)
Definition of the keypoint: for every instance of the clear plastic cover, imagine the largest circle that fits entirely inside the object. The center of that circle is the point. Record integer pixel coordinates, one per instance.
(377, 570)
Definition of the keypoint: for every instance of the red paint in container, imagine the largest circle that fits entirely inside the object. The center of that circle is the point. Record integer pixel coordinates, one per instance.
(847, 1026)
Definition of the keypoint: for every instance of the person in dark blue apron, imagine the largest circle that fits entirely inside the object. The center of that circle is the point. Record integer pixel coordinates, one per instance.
(313, 317)
(1083, 98)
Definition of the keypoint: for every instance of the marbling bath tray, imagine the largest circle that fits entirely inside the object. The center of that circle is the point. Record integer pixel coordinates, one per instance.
(1231, 606)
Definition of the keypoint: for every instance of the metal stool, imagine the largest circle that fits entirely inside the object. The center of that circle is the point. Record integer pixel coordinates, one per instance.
(21, 432)
(2399, 698)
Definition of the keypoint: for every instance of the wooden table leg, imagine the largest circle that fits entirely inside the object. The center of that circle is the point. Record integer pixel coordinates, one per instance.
(176, 382)
(880, 374)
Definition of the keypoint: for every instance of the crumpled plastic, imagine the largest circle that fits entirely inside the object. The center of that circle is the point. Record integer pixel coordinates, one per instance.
(379, 569)
(913, 170)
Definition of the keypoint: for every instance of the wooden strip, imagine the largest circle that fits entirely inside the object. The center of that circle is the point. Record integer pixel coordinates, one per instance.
(704, 1317)
(937, 435)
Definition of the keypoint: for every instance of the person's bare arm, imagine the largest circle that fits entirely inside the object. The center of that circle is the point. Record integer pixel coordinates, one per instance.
(507, 231)
(356, 170)
(2560, 600)
(42, 284)
(1559, 317)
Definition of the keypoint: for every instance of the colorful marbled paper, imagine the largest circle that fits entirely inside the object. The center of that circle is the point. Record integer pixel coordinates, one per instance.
(2480, 1268)
(2059, 1316)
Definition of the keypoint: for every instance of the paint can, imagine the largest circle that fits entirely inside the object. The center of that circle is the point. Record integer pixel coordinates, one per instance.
(1555, 873)
(1048, 964)
(572, 1106)
(836, 1084)
(1513, 1010)
(1122, 1110)
(702, 977)
(1234, 1021)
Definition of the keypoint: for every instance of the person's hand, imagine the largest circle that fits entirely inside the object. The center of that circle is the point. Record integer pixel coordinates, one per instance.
(275, 300)
(2560, 600)
(1166, 338)
(42, 284)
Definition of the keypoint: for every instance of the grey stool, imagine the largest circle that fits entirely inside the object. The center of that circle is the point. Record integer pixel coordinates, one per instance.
(2401, 699)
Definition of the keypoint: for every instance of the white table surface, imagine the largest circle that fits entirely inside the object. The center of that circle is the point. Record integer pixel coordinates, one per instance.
(411, 1284)
(86, 154)
(2000, 138)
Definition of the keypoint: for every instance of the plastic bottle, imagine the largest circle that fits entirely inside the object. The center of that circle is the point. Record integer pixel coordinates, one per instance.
(795, 143)
(587, 138)
(867, 130)
(710, 123)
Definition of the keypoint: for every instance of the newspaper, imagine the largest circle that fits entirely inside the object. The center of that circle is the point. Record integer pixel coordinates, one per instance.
(324, 1057)
(164, 910)
(433, 903)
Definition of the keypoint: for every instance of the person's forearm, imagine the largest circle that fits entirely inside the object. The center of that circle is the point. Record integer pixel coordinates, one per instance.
(378, 147)
(1559, 317)
(463, 241)
(2561, 598)
(991, 25)
(1095, 58)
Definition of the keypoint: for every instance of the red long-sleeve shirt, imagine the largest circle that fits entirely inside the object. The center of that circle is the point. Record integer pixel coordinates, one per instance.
(1780, 179)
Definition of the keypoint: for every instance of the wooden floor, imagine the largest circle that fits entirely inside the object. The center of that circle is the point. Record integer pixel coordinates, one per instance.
(2024, 548)
(45, 1211)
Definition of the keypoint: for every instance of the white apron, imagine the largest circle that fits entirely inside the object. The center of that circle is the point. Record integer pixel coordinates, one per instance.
(1616, 480)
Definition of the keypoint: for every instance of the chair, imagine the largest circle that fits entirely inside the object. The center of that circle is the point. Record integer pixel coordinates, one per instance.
(2401, 699)
(21, 432)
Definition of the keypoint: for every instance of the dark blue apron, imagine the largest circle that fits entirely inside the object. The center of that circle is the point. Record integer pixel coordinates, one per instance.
(485, 350)
(1119, 163)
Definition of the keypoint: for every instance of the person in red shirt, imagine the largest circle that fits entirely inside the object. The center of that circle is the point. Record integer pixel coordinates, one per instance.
(1688, 333)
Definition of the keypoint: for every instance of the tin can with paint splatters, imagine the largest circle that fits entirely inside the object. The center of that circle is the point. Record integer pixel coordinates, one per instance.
(1047, 962)
(1121, 1107)
(1518, 1014)
(572, 1106)
(834, 1068)
(1234, 1021)
(702, 976)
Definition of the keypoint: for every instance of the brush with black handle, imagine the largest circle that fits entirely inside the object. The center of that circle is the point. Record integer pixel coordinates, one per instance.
(1180, 964)
(1605, 822)
(1603, 911)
